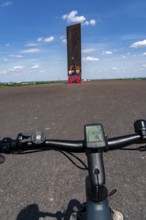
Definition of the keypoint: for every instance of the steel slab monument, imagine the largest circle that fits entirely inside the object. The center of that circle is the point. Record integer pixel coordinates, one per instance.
(74, 53)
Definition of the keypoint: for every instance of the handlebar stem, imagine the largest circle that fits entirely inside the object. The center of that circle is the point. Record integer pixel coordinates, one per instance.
(96, 190)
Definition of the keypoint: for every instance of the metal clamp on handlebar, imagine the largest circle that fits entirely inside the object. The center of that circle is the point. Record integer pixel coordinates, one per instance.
(22, 138)
(36, 138)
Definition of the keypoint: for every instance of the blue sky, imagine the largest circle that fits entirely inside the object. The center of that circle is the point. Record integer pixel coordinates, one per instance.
(33, 38)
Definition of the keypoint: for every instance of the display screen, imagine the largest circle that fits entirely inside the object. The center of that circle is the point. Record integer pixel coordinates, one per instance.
(94, 134)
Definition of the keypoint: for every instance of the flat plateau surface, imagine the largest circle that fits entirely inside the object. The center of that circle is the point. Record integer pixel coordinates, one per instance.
(37, 186)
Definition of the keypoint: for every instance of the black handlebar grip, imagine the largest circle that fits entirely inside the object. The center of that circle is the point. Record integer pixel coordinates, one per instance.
(5, 145)
(140, 126)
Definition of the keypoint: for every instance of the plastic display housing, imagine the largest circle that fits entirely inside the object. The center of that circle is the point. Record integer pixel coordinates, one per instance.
(94, 136)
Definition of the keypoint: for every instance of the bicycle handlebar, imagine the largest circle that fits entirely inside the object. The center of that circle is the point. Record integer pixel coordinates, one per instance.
(8, 145)
(38, 141)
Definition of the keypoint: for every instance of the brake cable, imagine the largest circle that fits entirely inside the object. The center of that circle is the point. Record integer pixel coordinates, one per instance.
(73, 162)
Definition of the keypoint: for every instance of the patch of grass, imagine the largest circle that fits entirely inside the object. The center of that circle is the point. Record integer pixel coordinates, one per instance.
(14, 84)
(7, 85)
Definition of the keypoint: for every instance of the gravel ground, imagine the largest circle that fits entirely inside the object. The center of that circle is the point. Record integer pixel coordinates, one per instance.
(41, 185)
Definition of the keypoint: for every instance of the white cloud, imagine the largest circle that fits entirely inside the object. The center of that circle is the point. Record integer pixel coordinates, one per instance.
(114, 68)
(139, 44)
(63, 39)
(89, 50)
(90, 59)
(3, 72)
(16, 56)
(73, 17)
(40, 41)
(35, 66)
(18, 67)
(45, 40)
(6, 4)
(31, 44)
(91, 22)
(42, 71)
(124, 57)
(49, 39)
(19, 56)
(5, 59)
(144, 54)
(14, 68)
(107, 52)
(32, 50)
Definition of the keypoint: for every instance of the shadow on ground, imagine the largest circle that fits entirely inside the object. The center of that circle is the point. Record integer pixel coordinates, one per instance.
(32, 212)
